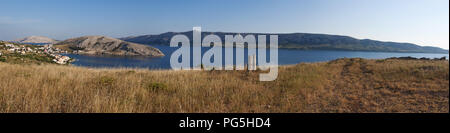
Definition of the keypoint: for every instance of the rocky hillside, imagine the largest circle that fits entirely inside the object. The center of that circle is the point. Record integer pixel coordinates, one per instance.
(35, 39)
(101, 45)
(305, 41)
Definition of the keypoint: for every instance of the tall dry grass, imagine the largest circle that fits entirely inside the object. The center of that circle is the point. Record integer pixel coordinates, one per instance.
(345, 85)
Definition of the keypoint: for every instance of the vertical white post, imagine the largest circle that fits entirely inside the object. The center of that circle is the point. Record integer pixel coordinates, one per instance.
(197, 48)
(254, 62)
(250, 62)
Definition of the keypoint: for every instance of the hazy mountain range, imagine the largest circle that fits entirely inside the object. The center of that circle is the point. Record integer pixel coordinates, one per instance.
(35, 39)
(304, 41)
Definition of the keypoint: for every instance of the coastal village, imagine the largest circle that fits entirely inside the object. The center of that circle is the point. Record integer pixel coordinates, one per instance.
(7, 48)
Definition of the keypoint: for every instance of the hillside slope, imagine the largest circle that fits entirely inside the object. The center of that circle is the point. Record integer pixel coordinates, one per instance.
(101, 45)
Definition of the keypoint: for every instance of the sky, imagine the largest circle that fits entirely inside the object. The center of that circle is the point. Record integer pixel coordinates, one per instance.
(423, 22)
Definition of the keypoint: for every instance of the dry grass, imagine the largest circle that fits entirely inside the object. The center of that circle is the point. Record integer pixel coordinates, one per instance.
(345, 85)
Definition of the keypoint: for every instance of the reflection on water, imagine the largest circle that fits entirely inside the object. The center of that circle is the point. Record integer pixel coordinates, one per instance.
(285, 57)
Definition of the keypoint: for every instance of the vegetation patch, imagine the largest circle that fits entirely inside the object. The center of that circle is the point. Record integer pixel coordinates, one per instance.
(106, 81)
(343, 85)
(157, 87)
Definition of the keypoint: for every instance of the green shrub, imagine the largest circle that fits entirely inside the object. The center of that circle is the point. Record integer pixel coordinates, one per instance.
(2, 59)
(106, 81)
(156, 87)
(131, 72)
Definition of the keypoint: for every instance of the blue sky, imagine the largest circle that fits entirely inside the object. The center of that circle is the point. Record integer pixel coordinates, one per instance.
(424, 22)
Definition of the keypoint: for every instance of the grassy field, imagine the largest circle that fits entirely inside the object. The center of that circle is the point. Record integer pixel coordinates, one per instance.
(344, 85)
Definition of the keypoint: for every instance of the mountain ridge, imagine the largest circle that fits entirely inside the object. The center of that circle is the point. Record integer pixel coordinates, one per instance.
(305, 41)
(102, 45)
(35, 39)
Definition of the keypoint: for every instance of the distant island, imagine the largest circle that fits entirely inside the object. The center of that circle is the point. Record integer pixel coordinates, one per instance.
(35, 40)
(305, 41)
(102, 45)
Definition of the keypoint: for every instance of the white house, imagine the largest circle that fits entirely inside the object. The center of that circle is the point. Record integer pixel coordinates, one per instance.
(10, 45)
